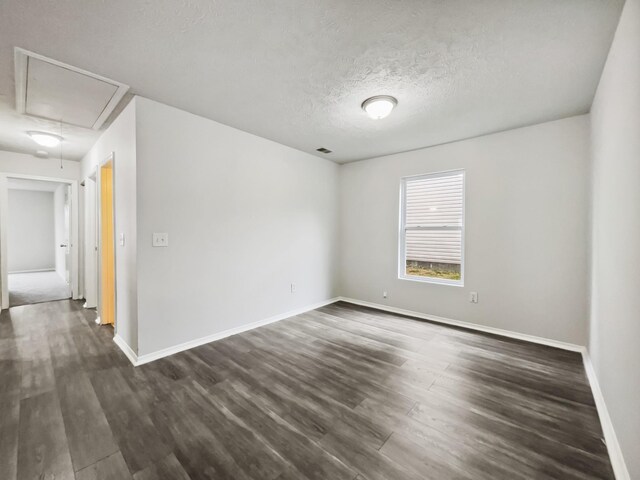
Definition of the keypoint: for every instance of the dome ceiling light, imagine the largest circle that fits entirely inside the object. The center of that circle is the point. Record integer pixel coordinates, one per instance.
(380, 106)
(45, 139)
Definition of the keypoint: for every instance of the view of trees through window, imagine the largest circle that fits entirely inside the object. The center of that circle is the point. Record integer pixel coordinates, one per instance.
(448, 271)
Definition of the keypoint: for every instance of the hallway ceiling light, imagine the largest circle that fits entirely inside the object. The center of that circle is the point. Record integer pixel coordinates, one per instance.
(45, 139)
(379, 106)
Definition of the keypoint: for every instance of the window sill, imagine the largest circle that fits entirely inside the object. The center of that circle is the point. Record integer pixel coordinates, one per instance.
(436, 281)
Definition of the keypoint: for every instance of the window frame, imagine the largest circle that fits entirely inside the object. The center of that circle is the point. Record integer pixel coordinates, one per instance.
(402, 243)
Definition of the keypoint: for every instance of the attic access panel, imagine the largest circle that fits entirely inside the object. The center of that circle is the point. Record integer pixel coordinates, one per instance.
(56, 91)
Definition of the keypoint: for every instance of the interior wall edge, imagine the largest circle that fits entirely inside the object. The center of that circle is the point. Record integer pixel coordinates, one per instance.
(611, 439)
(615, 236)
(126, 349)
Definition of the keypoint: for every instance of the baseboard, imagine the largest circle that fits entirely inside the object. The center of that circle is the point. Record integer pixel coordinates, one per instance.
(127, 350)
(150, 357)
(610, 438)
(470, 326)
(37, 270)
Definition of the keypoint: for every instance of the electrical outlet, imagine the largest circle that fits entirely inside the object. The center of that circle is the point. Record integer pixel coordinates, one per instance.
(122, 239)
(473, 297)
(293, 288)
(384, 294)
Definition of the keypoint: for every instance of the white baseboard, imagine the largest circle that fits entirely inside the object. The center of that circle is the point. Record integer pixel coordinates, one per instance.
(613, 447)
(124, 346)
(37, 270)
(165, 352)
(471, 326)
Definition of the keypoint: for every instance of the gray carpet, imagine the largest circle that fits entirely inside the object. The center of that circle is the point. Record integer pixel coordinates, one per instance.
(36, 287)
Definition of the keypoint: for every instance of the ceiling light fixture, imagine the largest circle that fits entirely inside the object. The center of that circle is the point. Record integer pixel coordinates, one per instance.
(45, 139)
(379, 106)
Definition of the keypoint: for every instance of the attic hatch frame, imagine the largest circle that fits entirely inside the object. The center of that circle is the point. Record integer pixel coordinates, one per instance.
(21, 62)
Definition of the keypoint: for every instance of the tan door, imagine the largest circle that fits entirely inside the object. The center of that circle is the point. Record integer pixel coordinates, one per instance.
(107, 253)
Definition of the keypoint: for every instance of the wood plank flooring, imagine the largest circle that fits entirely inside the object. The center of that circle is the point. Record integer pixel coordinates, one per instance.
(342, 392)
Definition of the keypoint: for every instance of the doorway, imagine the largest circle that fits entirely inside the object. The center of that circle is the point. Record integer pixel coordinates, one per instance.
(38, 234)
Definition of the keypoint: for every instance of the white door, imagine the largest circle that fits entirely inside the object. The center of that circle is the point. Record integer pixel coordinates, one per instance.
(67, 234)
(62, 217)
(90, 244)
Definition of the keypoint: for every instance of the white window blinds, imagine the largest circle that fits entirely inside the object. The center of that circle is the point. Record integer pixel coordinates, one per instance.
(433, 222)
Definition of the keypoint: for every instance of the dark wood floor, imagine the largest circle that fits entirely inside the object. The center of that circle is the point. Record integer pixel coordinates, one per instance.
(342, 392)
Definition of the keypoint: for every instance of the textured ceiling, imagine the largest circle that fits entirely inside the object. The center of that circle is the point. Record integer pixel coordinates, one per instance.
(296, 71)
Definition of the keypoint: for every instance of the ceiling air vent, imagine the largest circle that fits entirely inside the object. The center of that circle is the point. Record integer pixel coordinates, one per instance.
(323, 150)
(49, 89)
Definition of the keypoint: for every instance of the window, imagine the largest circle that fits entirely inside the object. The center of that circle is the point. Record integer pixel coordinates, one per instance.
(432, 228)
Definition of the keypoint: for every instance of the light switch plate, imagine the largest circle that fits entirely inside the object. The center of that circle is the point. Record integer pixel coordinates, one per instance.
(160, 239)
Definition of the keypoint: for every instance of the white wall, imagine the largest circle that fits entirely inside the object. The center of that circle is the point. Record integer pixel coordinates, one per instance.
(615, 308)
(11, 162)
(30, 231)
(246, 217)
(526, 228)
(120, 139)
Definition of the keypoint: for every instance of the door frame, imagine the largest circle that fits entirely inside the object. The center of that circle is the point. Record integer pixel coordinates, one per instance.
(91, 214)
(73, 237)
(110, 158)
